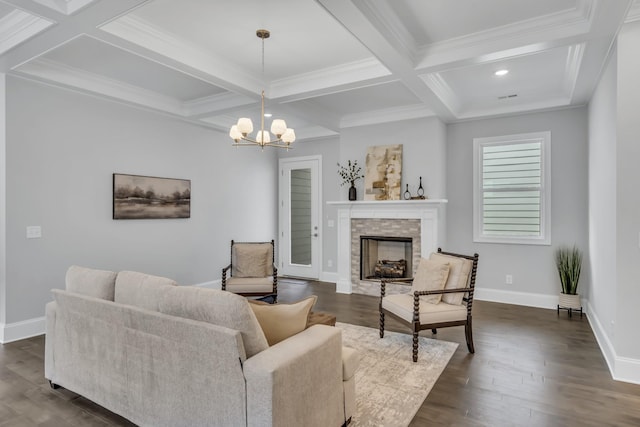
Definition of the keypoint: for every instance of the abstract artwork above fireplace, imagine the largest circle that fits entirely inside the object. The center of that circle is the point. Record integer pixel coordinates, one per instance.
(383, 172)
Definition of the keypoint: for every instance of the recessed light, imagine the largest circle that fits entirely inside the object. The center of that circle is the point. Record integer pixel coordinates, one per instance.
(268, 115)
(501, 73)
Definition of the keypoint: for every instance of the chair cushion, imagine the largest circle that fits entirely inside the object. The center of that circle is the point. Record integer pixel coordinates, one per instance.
(219, 308)
(431, 276)
(459, 269)
(249, 284)
(91, 282)
(141, 290)
(280, 321)
(252, 259)
(402, 306)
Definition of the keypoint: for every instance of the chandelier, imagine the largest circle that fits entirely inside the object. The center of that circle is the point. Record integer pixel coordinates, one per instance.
(241, 130)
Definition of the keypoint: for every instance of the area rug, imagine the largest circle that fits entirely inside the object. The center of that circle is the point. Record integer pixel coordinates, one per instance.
(389, 387)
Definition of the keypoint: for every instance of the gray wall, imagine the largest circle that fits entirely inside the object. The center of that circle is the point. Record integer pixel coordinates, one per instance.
(62, 148)
(424, 152)
(532, 266)
(3, 217)
(628, 198)
(602, 202)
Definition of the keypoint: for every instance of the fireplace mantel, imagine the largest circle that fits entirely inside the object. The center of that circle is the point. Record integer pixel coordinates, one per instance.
(431, 214)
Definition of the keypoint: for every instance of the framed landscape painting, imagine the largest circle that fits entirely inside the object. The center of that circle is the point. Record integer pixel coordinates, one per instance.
(148, 197)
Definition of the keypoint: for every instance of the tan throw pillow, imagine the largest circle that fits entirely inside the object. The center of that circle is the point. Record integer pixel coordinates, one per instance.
(431, 276)
(251, 260)
(280, 321)
(459, 269)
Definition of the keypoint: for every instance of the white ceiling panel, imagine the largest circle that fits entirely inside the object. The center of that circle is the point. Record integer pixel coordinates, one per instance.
(304, 38)
(531, 78)
(371, 98)
(438, 20)
(93, 56)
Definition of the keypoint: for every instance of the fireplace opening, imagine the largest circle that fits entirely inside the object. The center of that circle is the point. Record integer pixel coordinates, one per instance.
(383, 257)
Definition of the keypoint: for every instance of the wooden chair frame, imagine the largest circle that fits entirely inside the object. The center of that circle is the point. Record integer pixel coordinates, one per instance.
(274, 293)
(415, 324)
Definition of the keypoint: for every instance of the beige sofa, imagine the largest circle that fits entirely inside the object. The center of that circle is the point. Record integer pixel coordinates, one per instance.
(165, 355)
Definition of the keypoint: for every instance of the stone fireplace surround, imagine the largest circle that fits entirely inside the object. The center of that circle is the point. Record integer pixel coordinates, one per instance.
(430, 234)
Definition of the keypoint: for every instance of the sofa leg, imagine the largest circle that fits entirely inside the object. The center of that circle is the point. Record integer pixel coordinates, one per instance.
(415, 346)
(381, 324)
(434, 331)
(53, 385)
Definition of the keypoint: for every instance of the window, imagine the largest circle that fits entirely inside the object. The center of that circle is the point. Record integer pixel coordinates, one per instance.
(511, 200)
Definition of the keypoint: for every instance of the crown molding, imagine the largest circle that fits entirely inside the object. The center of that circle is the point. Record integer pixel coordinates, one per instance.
(84, 81)
(574, 59)
(330, 80)
(386, 115)
(524, 108)
(384, 18)
(211, 104)
(68, 7)
(634, 12)
(18, 26)
(442, 90)
(535, 32)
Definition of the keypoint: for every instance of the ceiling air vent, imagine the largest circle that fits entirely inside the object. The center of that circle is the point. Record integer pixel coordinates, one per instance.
(508, 96)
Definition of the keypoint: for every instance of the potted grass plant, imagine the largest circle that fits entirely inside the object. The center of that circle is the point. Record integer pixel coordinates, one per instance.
(569, 264)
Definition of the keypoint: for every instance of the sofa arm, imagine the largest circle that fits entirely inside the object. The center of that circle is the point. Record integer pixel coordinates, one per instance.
(49, 339)
(297, 381)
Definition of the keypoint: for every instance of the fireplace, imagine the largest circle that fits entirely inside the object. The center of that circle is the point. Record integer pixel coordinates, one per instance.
(385, 257)
(421, 220)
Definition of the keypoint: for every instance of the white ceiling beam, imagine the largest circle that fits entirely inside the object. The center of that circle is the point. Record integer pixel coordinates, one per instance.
(67, 28)
(392, 56)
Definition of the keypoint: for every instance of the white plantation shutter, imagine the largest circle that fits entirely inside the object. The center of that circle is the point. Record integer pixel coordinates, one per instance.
(511, 202)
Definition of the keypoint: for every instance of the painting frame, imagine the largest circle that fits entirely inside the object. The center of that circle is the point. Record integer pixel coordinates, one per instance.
(150, 197)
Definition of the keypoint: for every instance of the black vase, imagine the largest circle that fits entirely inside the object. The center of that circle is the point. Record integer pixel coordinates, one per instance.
(352, 192)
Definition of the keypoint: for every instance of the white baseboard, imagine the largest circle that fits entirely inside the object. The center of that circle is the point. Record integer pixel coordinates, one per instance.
(10, 332)
(518, 298)
(621, 368)
(329, 276)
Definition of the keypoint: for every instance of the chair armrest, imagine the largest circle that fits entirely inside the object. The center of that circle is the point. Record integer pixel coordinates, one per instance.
(283, 381)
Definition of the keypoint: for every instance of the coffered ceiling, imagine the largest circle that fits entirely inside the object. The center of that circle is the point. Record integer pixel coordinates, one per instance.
(329, 64)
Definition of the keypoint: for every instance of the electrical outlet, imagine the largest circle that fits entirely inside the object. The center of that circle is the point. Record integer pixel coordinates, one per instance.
(508, 279)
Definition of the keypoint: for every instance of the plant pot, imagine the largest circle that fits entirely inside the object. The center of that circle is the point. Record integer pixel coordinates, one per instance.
(569, 301)
(352, 192)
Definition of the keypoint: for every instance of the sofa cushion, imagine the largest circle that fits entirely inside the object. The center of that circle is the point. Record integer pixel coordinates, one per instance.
(459, 269)
(280, 321)
(91, 282)
(219, 308)
(141, 290)
(431, 276)
(252, 259)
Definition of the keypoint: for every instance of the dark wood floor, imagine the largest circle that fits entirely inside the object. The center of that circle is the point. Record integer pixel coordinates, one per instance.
(531, 368)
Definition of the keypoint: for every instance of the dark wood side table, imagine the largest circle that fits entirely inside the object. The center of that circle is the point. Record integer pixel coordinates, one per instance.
(321, 318)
